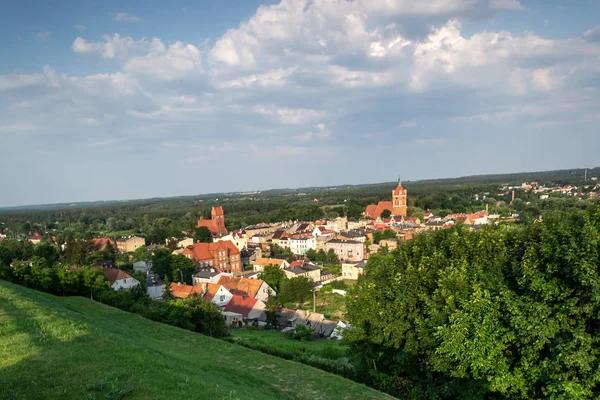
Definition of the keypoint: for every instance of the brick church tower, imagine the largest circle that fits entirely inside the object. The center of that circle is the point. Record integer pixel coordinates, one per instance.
(218, 219)
(399, 201)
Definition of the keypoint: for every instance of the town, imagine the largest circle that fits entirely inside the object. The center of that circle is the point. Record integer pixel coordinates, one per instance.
(304, 267)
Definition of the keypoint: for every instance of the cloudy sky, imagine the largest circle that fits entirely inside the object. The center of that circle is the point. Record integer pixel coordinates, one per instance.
(121, 100)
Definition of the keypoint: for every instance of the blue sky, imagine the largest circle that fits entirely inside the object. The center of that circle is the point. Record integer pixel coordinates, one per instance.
(121, 100)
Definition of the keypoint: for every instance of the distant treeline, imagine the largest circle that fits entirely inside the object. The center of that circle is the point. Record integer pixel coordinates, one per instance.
(159, 219)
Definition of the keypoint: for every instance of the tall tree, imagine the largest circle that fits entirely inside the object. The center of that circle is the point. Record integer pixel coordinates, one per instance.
(273, 276)
(203, 235)
(184, 268)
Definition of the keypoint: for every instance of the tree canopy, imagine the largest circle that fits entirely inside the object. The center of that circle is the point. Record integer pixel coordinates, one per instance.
(507, 310)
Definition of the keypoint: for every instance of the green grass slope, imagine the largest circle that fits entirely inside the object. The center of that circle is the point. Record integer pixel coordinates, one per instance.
(75, 348)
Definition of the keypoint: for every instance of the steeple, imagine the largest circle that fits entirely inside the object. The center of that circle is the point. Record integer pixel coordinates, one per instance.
(399, 200)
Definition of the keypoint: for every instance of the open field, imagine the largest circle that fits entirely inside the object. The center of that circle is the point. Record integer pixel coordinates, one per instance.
(75, 348)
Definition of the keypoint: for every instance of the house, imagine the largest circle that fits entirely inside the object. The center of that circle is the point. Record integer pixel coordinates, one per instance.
(101, 243)
(356, 235)
(238, 238)
(216, 223)
(261, 238)
(252, 288)
(183, 291)
(353, 270)
(347, 250)
(301, 245)
(118, 279)
(222, 256)
(278, 235)
(232, 319)
(391, 244)
(249, 308)
(260, 263)
(143, 266)
(323, 328)
(130, 244)
(181, 243)
(305, 269)
(35, 238)
(216, 294)
(208, 276)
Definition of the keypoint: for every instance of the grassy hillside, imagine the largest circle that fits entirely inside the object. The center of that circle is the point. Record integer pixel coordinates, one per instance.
(75, 348)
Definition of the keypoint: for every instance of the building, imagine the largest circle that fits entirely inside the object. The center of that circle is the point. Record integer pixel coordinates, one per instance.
(35, 239)
(181, 243)
(216, 223)
(347, 250)
(216, 294)
(101, 243)
(353, 270)
(305, 269)
(396, 207)
(183, 291)
(118, 279)
(249, 308)
(260, 263)
(238, 238)
(143, 266)
(208, 276)
(301, 245)
(130, 244)
(391, 244)
(252, 288)
(223, 256)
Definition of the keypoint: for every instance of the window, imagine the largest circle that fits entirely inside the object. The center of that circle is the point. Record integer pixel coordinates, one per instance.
(222, 298)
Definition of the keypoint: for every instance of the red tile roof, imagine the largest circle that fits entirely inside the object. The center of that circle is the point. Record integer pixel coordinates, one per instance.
(240, 305)
(208, 251)
(241, 286)
(100, 244)
(114, 274)
(211, 291)
(181, 291)
(399, 190)
(375, 210)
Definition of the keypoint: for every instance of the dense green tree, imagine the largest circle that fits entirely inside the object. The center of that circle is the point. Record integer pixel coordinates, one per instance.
(141, 254)
(387, 234)
(385, 214)
(161, 263)
(203, 235)
(296, 290)
(508, 311)
(182, 267)
(273, 276)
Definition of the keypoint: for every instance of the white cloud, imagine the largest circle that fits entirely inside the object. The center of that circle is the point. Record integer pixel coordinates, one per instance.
(17, 128)
(289, 115)
(320, 132)
(88, 121)
(105, 142)
(80, 27)
(43, 35)
(125, 17)
(408, 124)
(224, 148)
(113, 47)
(167, 63)
(593, 34)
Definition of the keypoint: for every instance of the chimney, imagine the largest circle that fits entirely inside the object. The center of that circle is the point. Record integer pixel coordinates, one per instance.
(513, 196)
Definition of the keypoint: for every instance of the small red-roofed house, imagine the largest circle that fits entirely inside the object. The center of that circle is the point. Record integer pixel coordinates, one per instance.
(216, 294)
(118, 279)
(247, 307)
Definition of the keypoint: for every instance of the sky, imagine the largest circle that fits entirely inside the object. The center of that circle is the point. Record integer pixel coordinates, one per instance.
(136, 99)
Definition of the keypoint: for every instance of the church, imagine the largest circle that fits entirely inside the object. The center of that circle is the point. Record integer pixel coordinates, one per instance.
(397, 206)
(216, 223)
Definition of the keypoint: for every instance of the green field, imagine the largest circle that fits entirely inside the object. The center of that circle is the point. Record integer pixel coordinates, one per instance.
(75, 348)
(327, 349)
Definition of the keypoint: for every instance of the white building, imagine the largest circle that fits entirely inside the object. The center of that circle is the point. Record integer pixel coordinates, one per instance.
(216, 294)
(119, 280)
(302, 245)
(238, 238)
